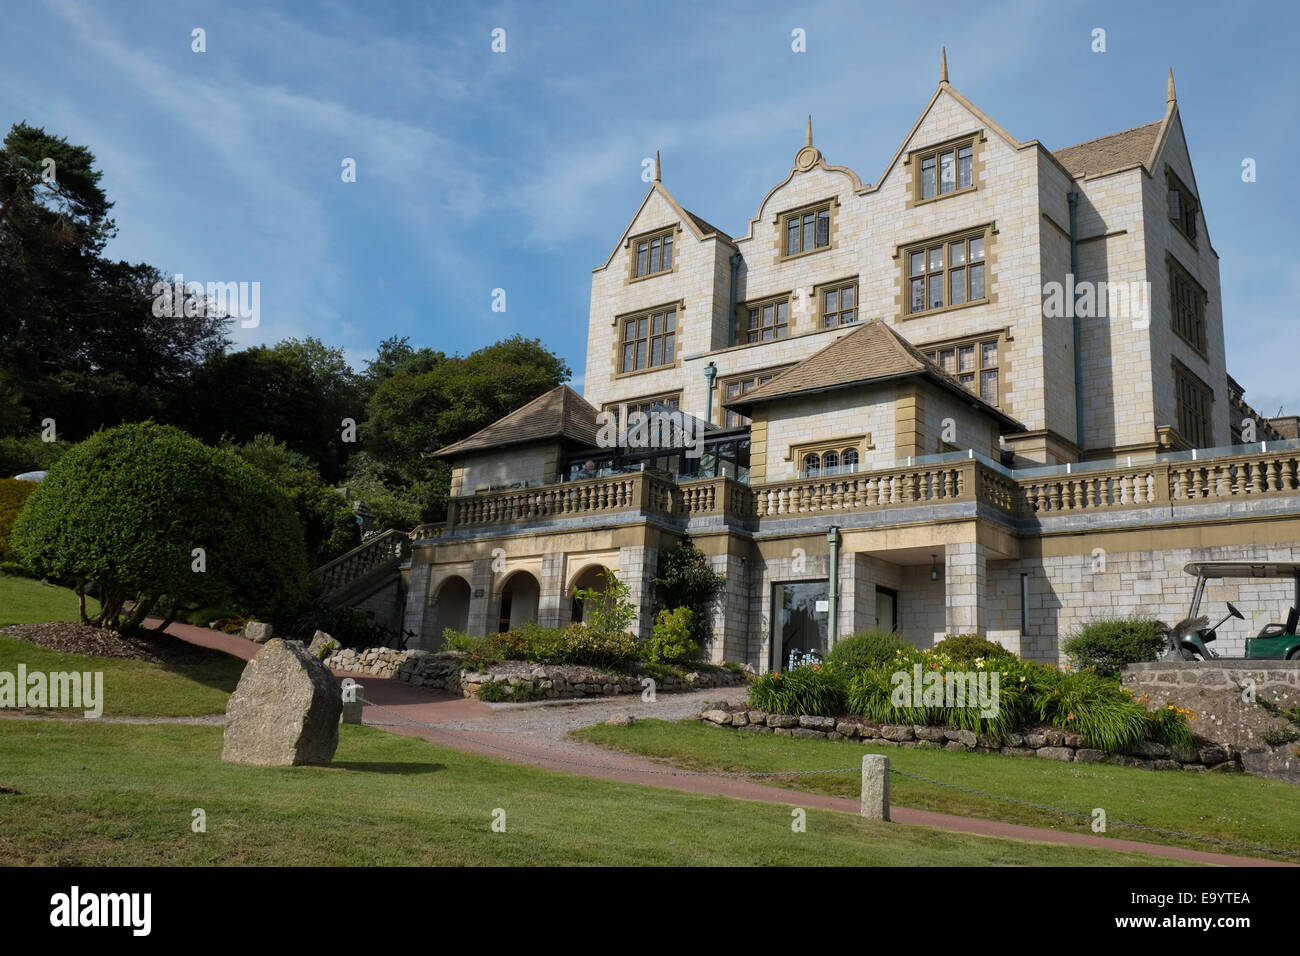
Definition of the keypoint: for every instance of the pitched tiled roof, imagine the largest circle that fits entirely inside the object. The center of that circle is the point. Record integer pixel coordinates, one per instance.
(706, 227)
(560, 413)
(1132, 147)
(871, 353)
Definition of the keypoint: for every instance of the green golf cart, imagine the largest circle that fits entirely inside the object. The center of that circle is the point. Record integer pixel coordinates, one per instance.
(1190, 638)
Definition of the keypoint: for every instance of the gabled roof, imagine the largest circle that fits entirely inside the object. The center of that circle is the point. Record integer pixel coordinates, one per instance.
(560, 413)
(1123, 150)
(706, 228)
(693, 223)
(870, 354)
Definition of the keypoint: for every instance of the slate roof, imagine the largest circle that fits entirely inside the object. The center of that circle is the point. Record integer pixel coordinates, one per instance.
(706, 227)
(1132, 147)
(560, 413)
(871, 353)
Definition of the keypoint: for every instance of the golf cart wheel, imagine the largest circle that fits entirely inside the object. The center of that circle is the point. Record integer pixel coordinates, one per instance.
(1294, 655)
(1188, 655)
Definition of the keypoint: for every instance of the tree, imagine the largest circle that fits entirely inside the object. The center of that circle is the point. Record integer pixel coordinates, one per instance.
(431, 400)
(155, 516)
(299, 390)
(328, 523)
(79, 341)
(686, 580)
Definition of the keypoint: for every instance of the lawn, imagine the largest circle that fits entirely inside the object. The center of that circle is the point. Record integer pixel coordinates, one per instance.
(24, 601)
(135, 688)
(100, 794)
(1233, 807)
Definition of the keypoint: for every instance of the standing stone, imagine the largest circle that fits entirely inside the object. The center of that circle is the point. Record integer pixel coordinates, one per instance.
(322, 645)
(285, 710)
(257, 632)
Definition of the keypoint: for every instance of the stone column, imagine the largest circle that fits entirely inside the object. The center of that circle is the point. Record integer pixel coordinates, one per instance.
(636, 569)
(857, 595)
(731, 608)
(416, 612)
(552, 604)
(965, 589)
(480, 597)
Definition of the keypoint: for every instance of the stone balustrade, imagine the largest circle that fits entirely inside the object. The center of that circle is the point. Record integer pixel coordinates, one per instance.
(381, 551)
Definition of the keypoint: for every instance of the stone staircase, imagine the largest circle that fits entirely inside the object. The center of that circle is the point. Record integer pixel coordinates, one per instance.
(365, 569)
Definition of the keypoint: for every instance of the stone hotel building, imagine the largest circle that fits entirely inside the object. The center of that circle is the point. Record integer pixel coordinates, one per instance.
(984, 393)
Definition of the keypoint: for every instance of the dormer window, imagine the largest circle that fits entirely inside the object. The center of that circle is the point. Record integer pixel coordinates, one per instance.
(652, 255)
(945, 169)
(1183, 206)
(806, 230)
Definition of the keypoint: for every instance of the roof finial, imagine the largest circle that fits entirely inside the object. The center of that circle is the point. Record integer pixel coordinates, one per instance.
(808, 142)
(943, 64)
(1171, 96)
(658, 172)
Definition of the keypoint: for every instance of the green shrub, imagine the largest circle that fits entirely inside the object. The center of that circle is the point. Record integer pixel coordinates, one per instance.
(13, 495)
(18, 455)
(1107, 645)
(128, 506)
(671, 641)
(576, 644)
(819, 690)
(685, 580)
(492, 691)
(1169, 725)
(857, 652)
(968, 648)
(1091, 705)
(607, 608)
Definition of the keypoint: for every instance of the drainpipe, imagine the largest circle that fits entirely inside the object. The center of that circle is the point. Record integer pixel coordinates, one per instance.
(832, 604)
(735, 261)
(1073, 197)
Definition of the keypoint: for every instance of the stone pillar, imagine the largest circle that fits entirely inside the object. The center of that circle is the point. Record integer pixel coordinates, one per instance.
(636, 569)
(731, 608)
(553, 603)
(480, 597)
(857, 595)
(875, 787)
(965, 589)
(416, 611)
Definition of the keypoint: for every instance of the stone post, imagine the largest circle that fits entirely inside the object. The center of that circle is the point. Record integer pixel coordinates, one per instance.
(965, 589)
(875, 787)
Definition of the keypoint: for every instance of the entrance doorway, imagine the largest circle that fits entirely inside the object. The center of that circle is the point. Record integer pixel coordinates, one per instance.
(800, 616)
(886, 609)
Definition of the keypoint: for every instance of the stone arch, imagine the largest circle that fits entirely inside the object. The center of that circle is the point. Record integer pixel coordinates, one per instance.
(517, 601)
(588, 577)
(450, 608)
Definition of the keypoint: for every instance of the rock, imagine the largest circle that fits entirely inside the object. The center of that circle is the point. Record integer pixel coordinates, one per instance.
(805, 732)
(1089, 755)
(1226, 767)
(1149, 749)
(1018, 752)
(621, 720)
(1064, 754)
(1034, 741)
(322, 645)
(933, 745)
(782, 721)
(257, 632)
(785, 731)
(740, 719)
(896, 732)
(717, 716)
(1168, 765)
(757, 717)
(1075, 741)
(953, 745)
(832, 735)
(817, 723)
(1211, 755)
(759, 728)
(1015, 740)
(933, 734)
(285, 710)
(1054, 738)
(985, 742)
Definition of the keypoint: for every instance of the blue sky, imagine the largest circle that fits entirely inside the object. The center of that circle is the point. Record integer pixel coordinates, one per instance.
(520, 170)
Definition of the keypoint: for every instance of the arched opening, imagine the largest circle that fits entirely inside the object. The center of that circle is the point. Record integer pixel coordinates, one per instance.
(590, 577)
(450, 609)
(518, 604)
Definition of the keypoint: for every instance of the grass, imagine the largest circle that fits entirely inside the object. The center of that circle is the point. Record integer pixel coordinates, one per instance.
(102, 794)
(135, 688)
(24, 601)
(1233, 807)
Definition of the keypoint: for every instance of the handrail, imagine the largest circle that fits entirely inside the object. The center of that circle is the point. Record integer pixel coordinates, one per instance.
(391, 547)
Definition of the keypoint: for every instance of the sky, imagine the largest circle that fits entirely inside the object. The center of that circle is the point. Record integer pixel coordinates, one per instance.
(519, 170)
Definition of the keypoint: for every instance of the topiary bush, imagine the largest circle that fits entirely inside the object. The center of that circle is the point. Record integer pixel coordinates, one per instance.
(671, 641)
(13, 495)
(1107, 645)
(127, 508)
(857, 652)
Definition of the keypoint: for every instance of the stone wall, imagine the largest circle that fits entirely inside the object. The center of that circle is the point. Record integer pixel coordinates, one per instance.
(1050, 743)
(1214, 690)
(443, 671)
